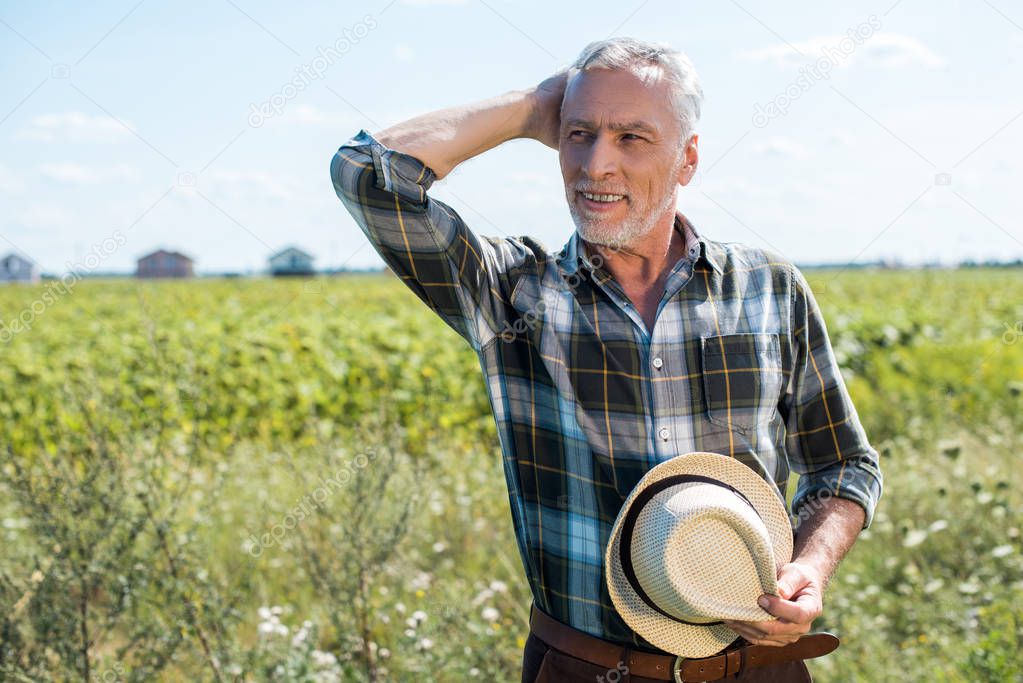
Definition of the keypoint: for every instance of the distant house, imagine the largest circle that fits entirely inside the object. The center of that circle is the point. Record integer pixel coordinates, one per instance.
(14, 268)
(163, 263)
(291, 261)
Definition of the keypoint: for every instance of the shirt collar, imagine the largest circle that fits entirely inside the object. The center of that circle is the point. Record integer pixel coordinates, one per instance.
(572, 255)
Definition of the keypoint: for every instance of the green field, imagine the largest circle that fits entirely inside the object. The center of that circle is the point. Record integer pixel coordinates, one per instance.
(301, 481)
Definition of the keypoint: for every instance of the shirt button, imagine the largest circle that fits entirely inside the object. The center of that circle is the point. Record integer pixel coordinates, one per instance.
(658, 362)
(664, 433)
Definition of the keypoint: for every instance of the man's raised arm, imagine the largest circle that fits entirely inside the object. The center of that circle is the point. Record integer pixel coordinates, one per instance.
(383, 180)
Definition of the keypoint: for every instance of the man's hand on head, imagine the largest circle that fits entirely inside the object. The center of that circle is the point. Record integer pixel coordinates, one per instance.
(544, 122)
(800, 601)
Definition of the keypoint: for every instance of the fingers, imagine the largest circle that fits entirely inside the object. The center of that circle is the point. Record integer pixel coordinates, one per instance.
(774, 629)
(794, 578)
(757, 635)
(794, 610)
(805, 608)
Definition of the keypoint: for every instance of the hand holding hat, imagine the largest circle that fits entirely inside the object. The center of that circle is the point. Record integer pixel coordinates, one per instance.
(798, 603)
(697, 542)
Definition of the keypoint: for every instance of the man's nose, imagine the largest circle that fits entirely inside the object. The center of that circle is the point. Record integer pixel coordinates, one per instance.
(601, 158)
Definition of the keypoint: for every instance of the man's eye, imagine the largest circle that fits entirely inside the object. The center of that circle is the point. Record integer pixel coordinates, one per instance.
(631, 136)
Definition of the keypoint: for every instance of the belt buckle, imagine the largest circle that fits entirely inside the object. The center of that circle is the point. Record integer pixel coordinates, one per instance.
(676, 669)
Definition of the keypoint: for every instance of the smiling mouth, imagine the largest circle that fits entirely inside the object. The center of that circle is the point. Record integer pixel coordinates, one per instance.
(601, 201)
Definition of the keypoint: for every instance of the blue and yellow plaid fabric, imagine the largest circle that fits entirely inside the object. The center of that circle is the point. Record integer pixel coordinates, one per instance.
(587, 399)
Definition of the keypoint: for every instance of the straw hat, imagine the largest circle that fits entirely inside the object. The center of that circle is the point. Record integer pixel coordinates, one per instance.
(698, 540)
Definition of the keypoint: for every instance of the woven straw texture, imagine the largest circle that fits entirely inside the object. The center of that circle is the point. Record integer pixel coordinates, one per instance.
(701, 553)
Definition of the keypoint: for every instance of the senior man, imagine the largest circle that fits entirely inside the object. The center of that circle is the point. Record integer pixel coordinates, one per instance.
(640, 340)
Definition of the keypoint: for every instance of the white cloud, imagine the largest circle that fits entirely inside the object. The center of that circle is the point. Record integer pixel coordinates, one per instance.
(885, 50)
(308, 115)
(737, 187)
(778, 146)
(433, 3)
(896, 50)
(79, 174)
(10, 182)
(45, 216)
(842, 138)
(239, 183)
(404, 53)
(74, 126)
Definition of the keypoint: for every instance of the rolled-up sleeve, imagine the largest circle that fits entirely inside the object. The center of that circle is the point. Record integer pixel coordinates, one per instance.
(826, 443)
(464, 278)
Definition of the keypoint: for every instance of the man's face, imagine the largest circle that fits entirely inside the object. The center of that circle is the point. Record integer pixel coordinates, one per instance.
(620, 136)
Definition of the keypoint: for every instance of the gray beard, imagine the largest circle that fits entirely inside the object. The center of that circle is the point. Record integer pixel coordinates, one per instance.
(614, 234)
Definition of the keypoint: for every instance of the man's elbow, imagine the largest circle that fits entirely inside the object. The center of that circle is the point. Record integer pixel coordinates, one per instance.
(857, 482)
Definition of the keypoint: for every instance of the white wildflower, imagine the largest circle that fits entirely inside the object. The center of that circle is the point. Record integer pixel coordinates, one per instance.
(421, 581)
(490, 614)
(298, 638)
(440, 547)
(323, 659)
(938, 525)
(1001, 551)
(419, 615)
(498, 586)
(483, 596)
(915, 538)
(424, 644)
(264, 613)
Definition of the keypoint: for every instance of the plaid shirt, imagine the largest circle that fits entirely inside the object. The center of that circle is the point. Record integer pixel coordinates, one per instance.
(587, 399)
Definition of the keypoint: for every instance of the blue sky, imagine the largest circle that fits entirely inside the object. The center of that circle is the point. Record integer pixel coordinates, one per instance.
(133, 122)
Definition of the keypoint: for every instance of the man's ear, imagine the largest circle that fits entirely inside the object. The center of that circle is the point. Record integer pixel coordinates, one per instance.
(691, 160)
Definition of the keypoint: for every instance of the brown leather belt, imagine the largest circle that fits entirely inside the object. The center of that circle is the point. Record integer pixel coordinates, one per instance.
(669, 667)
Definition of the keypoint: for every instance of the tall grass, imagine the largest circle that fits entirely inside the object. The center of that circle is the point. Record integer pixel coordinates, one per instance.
(301, 481)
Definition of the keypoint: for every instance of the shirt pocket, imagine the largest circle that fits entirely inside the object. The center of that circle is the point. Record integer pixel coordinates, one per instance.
(742, 379)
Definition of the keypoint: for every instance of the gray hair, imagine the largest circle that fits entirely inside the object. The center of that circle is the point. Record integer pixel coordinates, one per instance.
(624, 53)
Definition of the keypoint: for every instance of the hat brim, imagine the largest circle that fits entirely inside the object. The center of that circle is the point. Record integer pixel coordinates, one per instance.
(689, 640)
